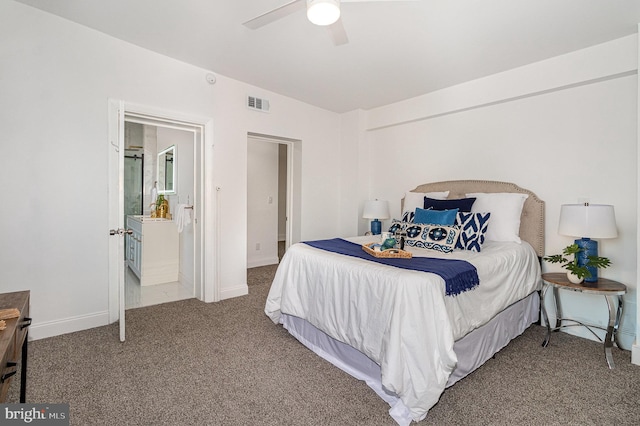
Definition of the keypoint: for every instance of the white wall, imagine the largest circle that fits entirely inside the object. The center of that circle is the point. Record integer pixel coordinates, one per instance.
(184, 185)
(635, 350)
(282, 192)
(564, 128)
(262, 203)
(56, 80)
(357, 169)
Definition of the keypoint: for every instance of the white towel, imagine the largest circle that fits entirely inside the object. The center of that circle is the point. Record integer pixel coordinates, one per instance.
(183, 216)
(154, 193)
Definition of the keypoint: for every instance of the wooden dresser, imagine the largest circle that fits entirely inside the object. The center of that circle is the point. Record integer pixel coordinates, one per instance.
(13, 343)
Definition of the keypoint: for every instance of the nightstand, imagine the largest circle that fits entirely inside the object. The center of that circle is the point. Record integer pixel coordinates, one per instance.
(603, 287)
(13, 343)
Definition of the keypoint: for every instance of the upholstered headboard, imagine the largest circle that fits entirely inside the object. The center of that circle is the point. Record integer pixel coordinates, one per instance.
(532, 220)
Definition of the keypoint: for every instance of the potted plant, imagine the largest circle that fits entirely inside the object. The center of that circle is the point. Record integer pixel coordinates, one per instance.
(575, 272)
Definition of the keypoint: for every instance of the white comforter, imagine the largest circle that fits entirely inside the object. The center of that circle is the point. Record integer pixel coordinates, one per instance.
(401, 319)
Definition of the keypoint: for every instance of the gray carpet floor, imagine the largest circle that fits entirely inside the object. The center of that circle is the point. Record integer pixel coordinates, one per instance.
(192, 363)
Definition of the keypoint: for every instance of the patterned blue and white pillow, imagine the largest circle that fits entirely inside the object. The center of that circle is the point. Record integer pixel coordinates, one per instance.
(432, 237)
(397, 225)
(408, 216)
(473, 227)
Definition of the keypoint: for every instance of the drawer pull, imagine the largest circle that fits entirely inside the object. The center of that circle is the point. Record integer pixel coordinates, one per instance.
(26, 323)
(7, 375)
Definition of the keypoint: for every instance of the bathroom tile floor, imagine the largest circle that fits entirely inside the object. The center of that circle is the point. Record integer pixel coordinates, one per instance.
(137, 296)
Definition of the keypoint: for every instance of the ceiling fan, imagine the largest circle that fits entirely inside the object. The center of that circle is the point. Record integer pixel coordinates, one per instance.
(320, 12)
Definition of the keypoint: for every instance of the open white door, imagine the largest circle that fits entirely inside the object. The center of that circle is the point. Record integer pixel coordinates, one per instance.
(205, 201)
(116, 207)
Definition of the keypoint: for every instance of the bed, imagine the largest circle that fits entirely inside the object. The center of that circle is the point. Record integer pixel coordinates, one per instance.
(407, 333)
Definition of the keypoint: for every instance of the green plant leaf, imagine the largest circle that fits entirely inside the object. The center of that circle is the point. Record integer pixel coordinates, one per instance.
(578, 271)
(598, 262)
(572, 265)
(556, 258)
(573, 249)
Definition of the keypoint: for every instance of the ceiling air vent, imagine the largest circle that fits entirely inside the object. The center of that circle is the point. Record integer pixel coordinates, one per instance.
(258, 104)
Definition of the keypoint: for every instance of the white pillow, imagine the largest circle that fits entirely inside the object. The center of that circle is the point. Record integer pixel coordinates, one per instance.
(505, 209)
(416, 199)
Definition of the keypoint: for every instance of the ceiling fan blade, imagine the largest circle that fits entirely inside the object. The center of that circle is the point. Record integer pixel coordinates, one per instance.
(370, 1)
(275, 14)
(338, 33)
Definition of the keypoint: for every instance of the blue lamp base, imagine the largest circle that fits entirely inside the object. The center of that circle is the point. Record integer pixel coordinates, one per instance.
(376, 227)
(590, 248)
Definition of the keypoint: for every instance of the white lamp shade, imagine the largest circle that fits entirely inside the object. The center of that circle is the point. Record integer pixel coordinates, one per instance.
(323, 12)
(376, 209)
(588, 220)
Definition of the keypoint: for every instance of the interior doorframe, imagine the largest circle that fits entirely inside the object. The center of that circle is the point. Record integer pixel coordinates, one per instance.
(208, 288)
(290, 143)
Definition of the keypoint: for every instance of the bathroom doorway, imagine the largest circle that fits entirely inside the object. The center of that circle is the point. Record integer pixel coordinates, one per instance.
(171, 277)
(205, 275)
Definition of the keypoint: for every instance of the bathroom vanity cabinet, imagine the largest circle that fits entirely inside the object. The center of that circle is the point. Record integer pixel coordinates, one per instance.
(153, 249)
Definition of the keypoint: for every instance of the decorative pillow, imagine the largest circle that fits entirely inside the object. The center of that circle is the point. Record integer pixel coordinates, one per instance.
(462, 204)
(408, 216)
(432, 237)
(505, 209)
(416, 199)
(473, 227)
(436, 217)
(398, 225)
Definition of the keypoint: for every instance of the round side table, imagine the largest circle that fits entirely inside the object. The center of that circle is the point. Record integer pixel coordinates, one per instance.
(610, 289)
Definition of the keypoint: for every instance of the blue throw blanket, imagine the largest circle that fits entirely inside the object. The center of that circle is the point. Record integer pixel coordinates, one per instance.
(459, 275)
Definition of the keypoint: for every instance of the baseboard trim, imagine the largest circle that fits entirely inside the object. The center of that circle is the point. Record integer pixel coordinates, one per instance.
(626, 336)
(67, 325)
(263, 262)
(237, 291)
(635, 354)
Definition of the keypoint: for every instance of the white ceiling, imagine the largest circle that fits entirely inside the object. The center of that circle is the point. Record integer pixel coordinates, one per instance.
(396, 50)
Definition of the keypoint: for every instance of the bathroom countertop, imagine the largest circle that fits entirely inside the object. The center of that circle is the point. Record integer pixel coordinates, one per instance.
(149, 218)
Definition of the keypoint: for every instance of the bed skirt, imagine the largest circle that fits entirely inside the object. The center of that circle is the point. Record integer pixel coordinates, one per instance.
(472, 350)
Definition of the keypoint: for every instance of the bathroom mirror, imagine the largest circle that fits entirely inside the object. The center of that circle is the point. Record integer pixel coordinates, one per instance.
(167, 170)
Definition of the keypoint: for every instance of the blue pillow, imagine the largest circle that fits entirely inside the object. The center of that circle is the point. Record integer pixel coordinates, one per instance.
(462, 204)
(435, 217)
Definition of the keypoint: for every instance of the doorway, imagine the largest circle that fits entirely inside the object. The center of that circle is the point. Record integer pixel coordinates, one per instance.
(205, 278)
(149, 172)
(269, 198)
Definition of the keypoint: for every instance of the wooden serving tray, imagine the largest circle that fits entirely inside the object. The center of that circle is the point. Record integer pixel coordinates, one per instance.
(391, 253)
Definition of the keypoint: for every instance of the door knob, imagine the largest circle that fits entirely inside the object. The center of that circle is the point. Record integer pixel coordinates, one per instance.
(120, 231)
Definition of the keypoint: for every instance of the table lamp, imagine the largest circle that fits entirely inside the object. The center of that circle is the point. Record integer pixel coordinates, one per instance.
(376, 209)
(587, 221)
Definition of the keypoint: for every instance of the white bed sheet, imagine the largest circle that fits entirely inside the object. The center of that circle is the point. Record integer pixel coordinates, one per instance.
(401, 319)
(472, 350)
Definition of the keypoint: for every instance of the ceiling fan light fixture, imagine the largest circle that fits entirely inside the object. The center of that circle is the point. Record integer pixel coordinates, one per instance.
(323, 12)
